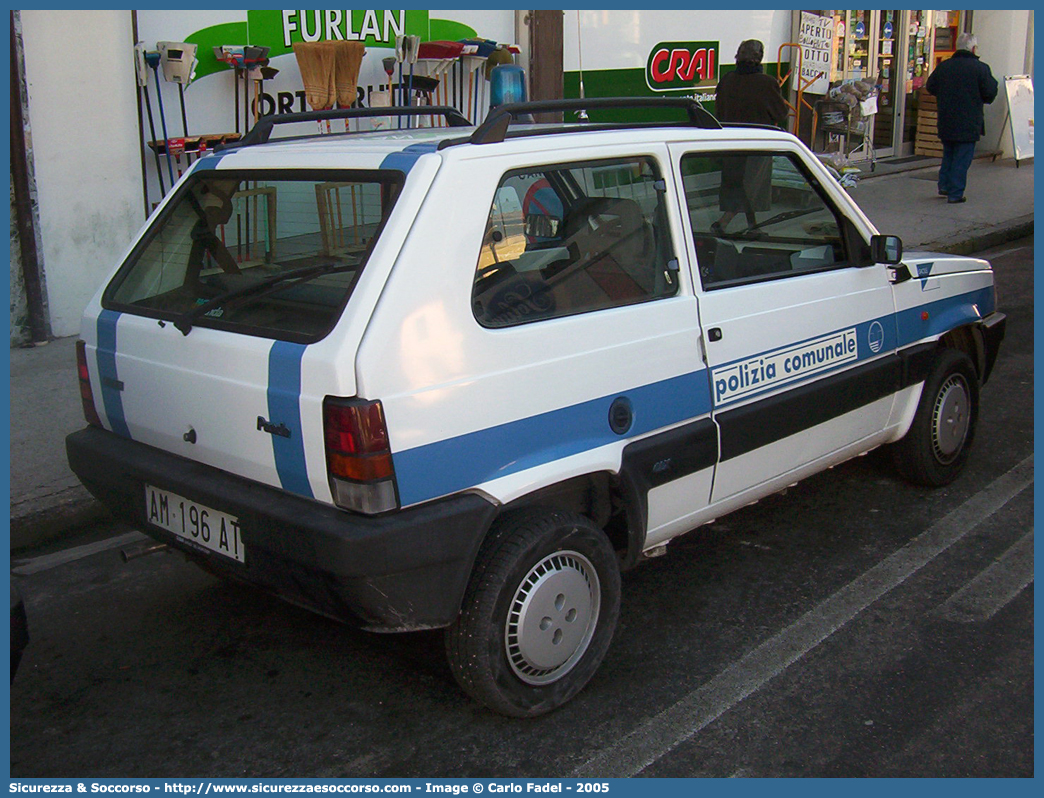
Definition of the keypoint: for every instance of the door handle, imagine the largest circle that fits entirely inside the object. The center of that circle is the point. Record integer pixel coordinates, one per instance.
(714, 334)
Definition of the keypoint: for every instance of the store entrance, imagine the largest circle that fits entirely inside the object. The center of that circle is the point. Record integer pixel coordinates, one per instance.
(869, 49)
(896, 50)
(886, 52)
(932, 38)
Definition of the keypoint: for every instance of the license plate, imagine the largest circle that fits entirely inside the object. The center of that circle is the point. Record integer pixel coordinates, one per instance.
(204, 526)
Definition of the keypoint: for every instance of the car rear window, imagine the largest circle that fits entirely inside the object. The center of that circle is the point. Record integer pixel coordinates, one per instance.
(270, 254)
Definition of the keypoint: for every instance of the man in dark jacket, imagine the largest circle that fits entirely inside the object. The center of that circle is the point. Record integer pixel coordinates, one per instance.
(962, 85)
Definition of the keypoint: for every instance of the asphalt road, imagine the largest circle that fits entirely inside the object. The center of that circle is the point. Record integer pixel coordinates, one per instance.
(852, 626)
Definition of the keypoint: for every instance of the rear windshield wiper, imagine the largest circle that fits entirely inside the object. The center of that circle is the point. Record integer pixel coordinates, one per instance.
(277, 282)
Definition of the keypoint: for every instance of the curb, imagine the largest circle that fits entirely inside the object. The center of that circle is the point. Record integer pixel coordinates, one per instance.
(888, 169)
(985, 239)
(64, 519)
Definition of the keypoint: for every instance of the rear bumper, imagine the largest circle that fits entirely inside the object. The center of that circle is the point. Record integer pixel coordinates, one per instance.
(400, 572)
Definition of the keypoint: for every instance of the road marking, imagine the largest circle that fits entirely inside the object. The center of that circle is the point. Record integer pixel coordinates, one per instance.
(994, 588)
(49, 561)
(659, 735)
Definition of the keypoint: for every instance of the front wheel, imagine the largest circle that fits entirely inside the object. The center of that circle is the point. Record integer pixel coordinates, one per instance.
(538, 614)
(936, 448)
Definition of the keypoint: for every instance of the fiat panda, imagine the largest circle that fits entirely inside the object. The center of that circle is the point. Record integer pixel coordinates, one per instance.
(459, 378)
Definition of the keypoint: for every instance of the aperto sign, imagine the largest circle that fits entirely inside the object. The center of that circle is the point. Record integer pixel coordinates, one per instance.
(682, 66)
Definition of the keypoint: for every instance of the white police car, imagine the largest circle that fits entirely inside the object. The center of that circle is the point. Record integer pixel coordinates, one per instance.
(445, 377)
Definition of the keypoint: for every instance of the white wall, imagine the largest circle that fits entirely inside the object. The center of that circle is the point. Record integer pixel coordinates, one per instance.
(1005, 43)
(622, 39)
(84, 124)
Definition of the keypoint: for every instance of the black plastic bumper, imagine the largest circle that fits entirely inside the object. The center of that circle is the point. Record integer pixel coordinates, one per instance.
(992, 327)
(400, 572)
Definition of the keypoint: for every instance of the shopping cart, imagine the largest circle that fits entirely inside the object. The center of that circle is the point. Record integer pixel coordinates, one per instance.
(847, 114)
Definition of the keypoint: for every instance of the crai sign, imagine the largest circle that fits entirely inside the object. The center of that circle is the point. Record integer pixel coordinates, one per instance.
(682, 66)
(280, 29)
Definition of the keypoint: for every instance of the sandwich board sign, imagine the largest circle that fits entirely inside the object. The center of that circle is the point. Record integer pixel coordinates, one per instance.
(1019, 90)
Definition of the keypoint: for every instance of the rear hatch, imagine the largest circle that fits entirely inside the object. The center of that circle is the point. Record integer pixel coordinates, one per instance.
(199, 347)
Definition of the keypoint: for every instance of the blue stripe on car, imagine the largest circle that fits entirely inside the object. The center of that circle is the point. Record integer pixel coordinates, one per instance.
(944, 315)
(455, 464)
(112, 398)
(208, 162)
(284, 407)
(404, 161)
(443, 467)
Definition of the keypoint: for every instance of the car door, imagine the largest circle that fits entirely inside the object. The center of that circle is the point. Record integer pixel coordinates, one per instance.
(798, 324)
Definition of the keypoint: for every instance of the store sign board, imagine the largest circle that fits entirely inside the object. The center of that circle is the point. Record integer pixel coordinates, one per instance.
(682, 66)
(280, 29)
(816, 37)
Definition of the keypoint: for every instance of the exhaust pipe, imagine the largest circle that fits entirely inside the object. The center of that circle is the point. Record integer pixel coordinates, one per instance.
(142, 550)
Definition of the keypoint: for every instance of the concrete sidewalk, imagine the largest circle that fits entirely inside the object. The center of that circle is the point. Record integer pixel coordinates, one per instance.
(905, 202)
(47, 501)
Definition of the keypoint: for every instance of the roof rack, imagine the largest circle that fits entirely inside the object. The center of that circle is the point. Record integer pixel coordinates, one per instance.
(754, 126)
(262, 129)
(494, 128)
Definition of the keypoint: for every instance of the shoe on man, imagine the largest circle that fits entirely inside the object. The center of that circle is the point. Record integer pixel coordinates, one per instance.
(943, 193)
(953, 201)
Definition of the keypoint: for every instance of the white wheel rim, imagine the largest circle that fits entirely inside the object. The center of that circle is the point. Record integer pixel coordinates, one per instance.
(951, 418)
(552, 617)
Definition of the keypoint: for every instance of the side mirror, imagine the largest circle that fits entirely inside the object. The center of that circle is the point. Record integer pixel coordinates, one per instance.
(886, 249)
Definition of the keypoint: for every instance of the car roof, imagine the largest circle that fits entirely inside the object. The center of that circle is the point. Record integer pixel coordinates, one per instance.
(382, 148)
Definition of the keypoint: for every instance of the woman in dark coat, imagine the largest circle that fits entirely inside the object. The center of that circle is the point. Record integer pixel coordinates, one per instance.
(747, 95)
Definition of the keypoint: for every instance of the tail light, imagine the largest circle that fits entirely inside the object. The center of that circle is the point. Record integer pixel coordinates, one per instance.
(358, 456)
(86, 394)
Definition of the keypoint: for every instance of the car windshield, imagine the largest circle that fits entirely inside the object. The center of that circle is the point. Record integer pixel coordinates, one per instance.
(267, 254)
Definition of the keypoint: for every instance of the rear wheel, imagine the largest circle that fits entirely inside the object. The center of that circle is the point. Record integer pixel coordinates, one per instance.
(538, 614)
(936, 448)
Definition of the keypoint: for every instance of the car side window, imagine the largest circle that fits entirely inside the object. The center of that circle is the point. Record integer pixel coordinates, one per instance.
(757, 216)
(572, 238)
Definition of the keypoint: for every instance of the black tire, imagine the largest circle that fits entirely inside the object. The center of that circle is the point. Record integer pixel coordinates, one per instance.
(538, 614)
(935, 449)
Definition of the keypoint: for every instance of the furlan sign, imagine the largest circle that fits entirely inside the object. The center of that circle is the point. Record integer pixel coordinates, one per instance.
(682, 66)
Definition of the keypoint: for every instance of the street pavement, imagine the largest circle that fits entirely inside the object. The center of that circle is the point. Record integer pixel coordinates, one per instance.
(48, 503)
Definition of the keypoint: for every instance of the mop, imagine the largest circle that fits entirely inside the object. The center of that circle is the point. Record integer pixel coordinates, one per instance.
(437, 58)
(400, 55)
(153, 60)
(142, 74)
(179, 66)
(474, 56)
(241, 58)
(412, 48)
(388, 63)
(254, 57)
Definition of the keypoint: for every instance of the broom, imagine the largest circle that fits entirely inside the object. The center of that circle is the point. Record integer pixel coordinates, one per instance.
(437, 57)
(347, 62)
(317, 62)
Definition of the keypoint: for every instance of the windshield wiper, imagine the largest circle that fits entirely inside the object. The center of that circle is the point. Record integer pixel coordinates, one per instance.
(785, 215)
(277, 282)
